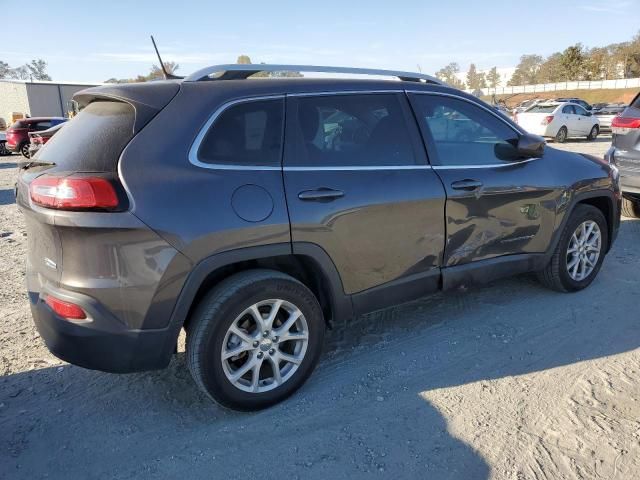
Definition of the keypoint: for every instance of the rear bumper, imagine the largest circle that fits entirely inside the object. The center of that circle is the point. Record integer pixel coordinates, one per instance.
(628, 163)
(101, 343)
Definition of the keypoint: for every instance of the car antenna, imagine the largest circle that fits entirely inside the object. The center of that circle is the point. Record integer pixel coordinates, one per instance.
(167, 75)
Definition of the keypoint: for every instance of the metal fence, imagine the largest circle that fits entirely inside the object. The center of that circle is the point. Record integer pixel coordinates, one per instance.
(552, 87)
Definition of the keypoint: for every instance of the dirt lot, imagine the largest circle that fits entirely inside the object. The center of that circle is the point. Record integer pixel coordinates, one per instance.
(510, 381)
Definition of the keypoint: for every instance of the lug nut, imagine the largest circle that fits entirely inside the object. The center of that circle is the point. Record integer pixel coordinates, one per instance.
(265, 333)
(260, 354)
(255, 344)
(272, 351)
(275, 339)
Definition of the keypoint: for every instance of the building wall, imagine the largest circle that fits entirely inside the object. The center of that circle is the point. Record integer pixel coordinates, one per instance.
(50, 100)
(13, 98)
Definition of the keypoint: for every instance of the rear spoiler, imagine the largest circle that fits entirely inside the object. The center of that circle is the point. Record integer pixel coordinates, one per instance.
(147, 99)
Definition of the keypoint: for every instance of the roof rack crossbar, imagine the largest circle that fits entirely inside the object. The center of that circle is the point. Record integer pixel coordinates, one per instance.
(242, 71)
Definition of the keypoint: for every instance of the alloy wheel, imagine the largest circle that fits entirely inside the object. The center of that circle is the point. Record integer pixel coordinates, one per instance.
(264, 346)
(584, 250)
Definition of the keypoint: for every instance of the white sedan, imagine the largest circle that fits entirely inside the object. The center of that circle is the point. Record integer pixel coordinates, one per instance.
(559, 121)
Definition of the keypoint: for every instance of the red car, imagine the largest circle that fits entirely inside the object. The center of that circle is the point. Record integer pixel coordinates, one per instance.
(18, 133)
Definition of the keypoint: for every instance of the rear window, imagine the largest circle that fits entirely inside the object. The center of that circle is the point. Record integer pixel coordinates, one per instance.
(542, 109)
(93, 140)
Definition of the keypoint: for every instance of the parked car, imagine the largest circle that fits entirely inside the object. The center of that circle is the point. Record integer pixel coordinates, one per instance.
(38, 139)
(3, 144)
(579, 101)
(559, 121)
(18, 133)
(625, 155)
(526, 105)
(606, 113)
(253, 233)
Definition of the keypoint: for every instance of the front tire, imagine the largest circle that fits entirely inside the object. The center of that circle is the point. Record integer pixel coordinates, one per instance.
(562, 135)
(580, 252)
(593, 134)
(254, 339)
(630, 207)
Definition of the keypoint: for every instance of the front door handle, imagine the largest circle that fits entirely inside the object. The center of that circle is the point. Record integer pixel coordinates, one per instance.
(467, 184)
(320, 194)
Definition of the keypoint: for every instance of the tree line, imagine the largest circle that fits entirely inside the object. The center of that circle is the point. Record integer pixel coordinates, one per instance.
(34, 70)
(617, 60)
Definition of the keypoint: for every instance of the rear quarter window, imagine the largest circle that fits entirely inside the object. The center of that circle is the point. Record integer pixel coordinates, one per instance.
(93, 140)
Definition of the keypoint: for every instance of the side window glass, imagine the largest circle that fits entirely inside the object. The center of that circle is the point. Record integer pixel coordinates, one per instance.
(580, 110)
(462, 133)
(567, 109)
(351, 130)
(246, 134)
(42, 126)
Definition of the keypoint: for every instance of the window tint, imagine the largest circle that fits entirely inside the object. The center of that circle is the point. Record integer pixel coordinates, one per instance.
(580, 110)
(351, 130)
(248, 133)
(542, 109)
(568, 109)
(462, 133)
(38, 127)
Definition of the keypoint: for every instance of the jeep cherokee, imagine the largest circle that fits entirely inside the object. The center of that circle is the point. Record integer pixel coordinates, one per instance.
(252, 212)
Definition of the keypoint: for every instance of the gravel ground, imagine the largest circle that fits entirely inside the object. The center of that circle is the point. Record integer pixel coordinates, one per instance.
(510, 381)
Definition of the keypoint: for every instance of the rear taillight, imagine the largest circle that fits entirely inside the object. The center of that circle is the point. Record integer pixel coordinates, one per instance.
(547, 120)
(64, 309)
(73, 193)
(622, 125)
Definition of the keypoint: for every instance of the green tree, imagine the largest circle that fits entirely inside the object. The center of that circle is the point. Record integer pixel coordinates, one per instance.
(493, 77)
(156, 72)
(448, 75)
(19, 73)
(5, 69)
(243, 60)
(551, 70)
(37, 70)
(526, 70)
(573, 62)
(475, 80)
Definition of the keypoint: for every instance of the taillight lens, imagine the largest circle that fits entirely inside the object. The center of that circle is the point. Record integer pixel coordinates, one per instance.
(65, 309)
(73, 193)
(547, 120)
(622, 125)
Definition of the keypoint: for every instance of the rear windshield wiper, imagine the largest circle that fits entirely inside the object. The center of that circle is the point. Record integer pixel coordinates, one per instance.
(33, 163)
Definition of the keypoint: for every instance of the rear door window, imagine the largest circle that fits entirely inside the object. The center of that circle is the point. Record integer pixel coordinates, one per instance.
(93, 140)
(246, 134)
(568, 109)
(40, 126)
(350, 130)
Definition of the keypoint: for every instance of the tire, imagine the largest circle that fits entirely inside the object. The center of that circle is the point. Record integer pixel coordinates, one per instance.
(24, 150)
(229, 305)
(630, 207)
(562, 134)
(556, 275)
(593, 134)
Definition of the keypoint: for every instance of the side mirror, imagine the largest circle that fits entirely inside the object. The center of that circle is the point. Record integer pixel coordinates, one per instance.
(530, 146)
(589, 114)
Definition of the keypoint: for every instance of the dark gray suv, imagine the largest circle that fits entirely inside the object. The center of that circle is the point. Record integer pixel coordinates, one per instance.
(625, 154)
(252, 212)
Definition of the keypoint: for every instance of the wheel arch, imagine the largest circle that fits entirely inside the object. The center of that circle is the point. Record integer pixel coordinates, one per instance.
(306, 262)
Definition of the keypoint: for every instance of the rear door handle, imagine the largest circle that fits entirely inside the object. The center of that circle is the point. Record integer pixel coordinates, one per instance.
(320, 194)
(466, 185)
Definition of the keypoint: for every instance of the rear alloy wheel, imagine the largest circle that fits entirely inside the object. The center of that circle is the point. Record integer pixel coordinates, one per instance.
(579, 253)
(593, 134)
(255, 339)
(561, 136)
(24, 150)
(631, 207)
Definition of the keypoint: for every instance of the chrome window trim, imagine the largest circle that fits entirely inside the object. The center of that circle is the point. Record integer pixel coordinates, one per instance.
(489, 165)
(343, 92)
(195, 145)
(357, 168)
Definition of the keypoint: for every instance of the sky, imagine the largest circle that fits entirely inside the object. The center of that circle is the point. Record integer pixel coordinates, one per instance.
(92, 41)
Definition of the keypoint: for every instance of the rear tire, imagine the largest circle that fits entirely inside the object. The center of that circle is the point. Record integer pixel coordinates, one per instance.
(593, 134)
(260, 322)
(562, 134)
(630, 207)
(559, 274)
(24, 150)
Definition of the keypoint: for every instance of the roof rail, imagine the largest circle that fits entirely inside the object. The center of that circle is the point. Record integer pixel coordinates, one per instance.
(242, 71)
